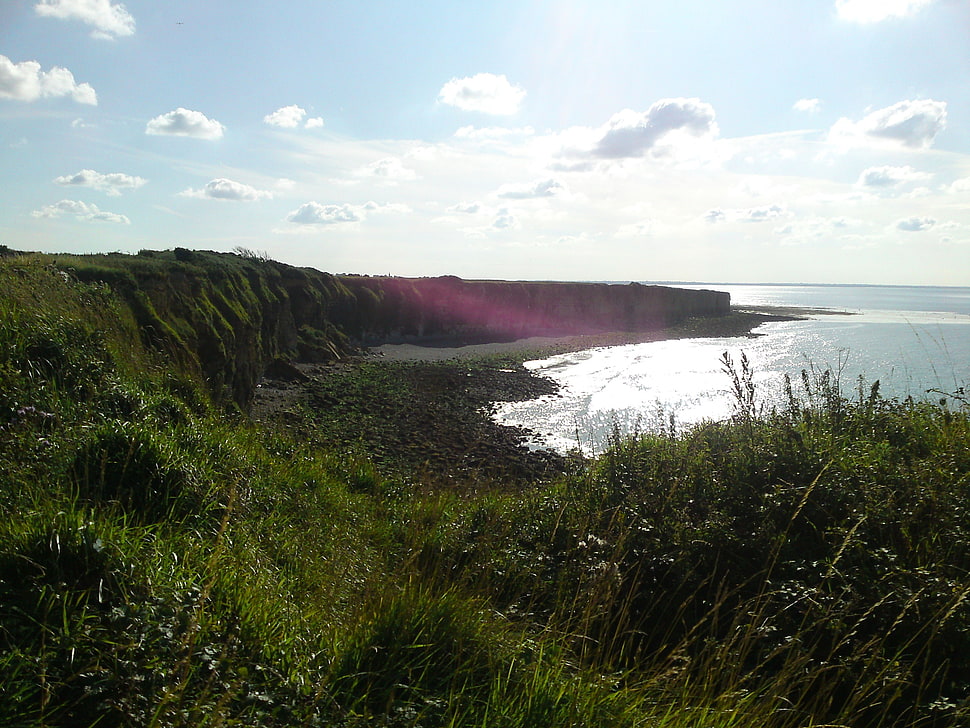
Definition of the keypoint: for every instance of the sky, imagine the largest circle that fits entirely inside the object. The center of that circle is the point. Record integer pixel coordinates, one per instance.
(805, 141)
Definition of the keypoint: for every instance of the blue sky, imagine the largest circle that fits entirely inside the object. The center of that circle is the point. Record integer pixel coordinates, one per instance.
(751, 141)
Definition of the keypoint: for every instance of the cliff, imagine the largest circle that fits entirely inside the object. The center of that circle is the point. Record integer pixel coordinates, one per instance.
(415, 310)
(227, 317)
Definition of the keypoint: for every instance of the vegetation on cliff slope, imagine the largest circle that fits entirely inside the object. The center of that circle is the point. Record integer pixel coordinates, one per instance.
(165, 562)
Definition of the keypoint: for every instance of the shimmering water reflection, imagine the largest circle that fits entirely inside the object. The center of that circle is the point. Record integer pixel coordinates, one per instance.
(642, 386)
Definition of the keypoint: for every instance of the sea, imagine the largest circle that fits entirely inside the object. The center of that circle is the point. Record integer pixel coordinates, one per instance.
(913, 340)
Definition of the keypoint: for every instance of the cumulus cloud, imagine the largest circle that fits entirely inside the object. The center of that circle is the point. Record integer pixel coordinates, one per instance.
(888, 176)
(288, 117)
(631, 134)
(314, 213)
(874, 11)
(227, 189)
(109, 20)
(112, 184)
(25, 81)
(186, 123)
(483, 92)
(80, 210)
(915, 224)
(812, 106)
(540, 188)
(913, 124)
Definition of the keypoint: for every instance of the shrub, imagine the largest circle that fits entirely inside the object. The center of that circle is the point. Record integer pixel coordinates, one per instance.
(130, 465)
(414, 653)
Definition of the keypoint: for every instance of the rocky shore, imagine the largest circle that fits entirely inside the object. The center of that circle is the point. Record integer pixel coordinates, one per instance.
(428, 408)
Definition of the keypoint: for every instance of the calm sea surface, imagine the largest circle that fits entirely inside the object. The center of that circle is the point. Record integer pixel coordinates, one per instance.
(912, 339)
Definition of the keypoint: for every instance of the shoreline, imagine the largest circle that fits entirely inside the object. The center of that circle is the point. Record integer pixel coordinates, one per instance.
(740, 322)
(429, 406)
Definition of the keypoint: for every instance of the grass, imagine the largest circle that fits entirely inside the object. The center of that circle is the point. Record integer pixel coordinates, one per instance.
(165, 562)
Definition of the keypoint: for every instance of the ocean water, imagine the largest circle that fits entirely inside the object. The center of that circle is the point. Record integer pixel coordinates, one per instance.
(914, 340)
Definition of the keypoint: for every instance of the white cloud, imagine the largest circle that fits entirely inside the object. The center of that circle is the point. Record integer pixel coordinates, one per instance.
(314, 213)
(812, 106)
(109, 20)
(748, 214)
(186, 123)
(288, 117)
(874, 11)
(631, 134)
(505, 220)
(960, 185)
(915, 224)
(760, 214)
(227, 189)
(913, 124)
(26, 82)
(888, 176)
(483, 92)
(81, 210)
(387, 207)
(540, 188)
(816, 230)
(111, 184)
(389, 169)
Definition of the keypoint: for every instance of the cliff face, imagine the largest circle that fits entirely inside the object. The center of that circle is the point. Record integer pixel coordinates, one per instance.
(420, 309)
(226, 317)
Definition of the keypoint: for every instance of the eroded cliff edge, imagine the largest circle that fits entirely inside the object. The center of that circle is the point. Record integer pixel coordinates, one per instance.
(226, 317)
(423, 309)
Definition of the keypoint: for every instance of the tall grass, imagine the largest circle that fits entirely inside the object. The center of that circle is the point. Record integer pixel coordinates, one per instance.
(166, 564)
